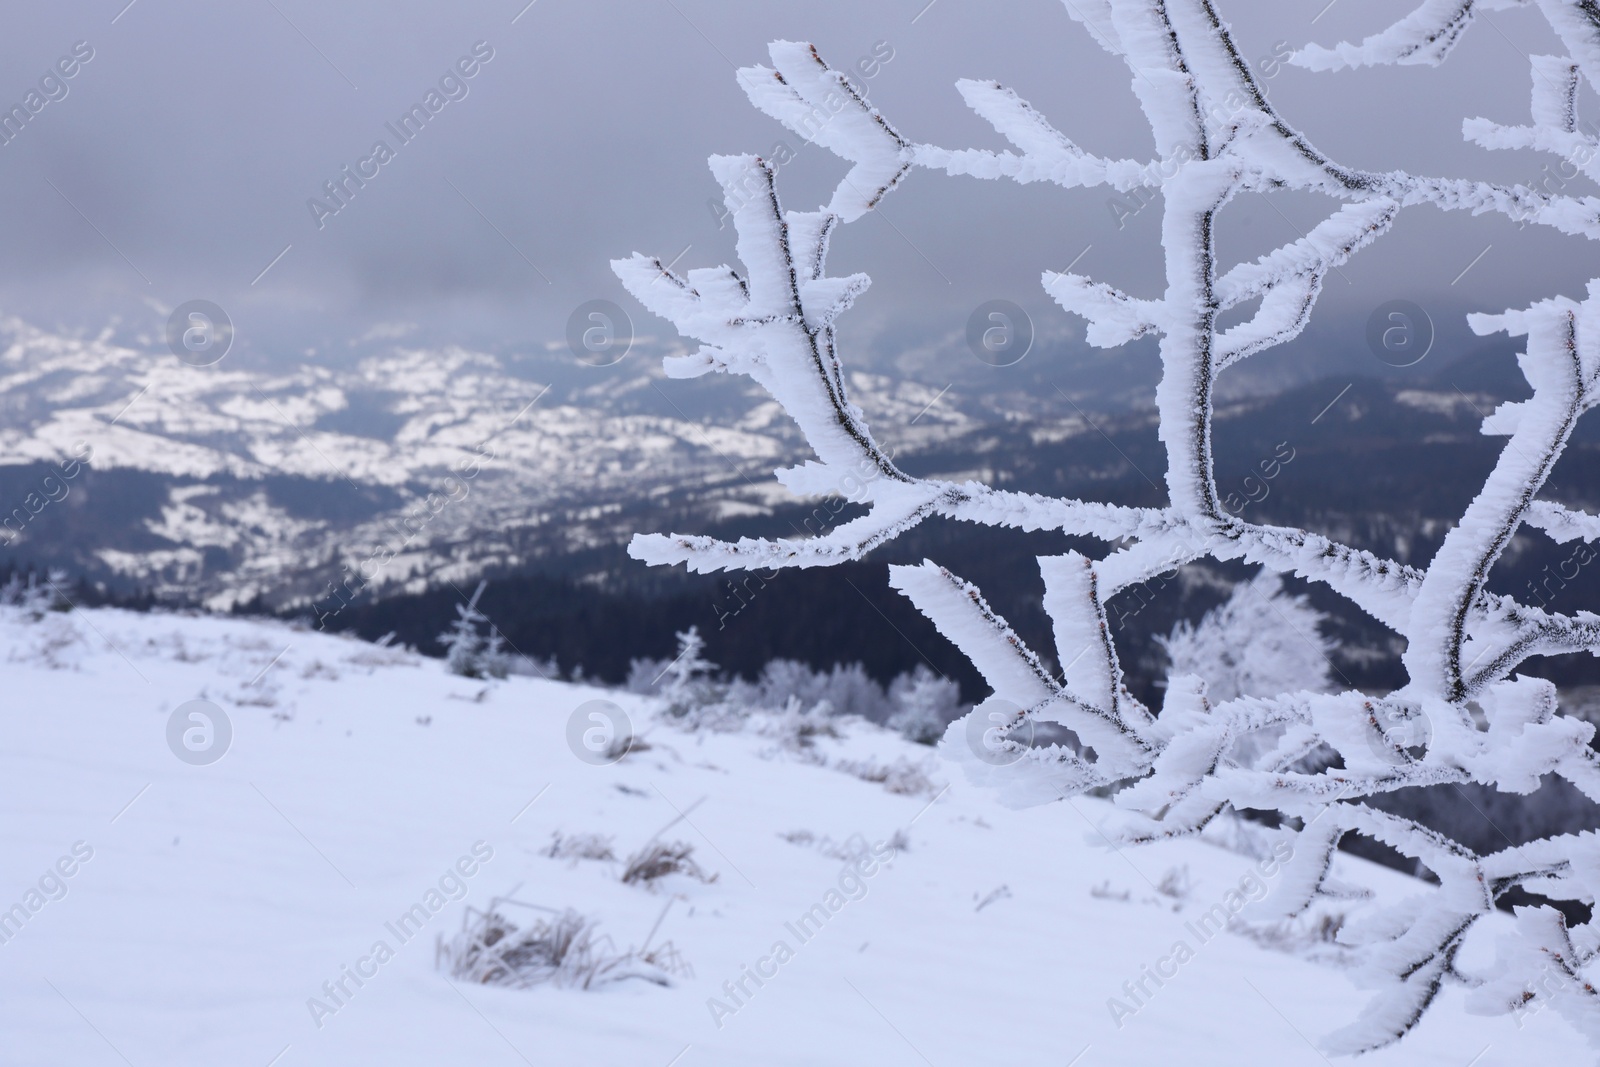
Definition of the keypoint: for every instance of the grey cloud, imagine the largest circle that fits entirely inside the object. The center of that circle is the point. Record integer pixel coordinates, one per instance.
(195, 137)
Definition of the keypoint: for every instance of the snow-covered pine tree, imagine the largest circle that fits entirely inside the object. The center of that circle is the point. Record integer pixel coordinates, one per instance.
(690, 679)
(1217, 137)
(468, 651)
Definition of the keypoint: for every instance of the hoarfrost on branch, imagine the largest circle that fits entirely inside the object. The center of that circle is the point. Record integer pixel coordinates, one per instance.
(1309, 755)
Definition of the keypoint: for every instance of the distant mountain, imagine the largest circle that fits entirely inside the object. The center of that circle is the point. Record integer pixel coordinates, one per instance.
(406, 470)
(1387, 466)
(225, 484)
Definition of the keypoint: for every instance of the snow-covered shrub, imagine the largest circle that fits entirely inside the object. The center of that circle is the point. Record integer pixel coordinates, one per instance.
(902, 777)
(796, 727)
(790, 697)
(528, 666)
(845, 688)
(473, 647)
(35, 597)
(924, 704)
(1259, 643)
(698, 697)
(370, 657)
(644, 675)
(1465, 716)
(43, 601)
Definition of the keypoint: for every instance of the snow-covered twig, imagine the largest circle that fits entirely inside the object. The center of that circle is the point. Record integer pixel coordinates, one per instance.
(1464, 717)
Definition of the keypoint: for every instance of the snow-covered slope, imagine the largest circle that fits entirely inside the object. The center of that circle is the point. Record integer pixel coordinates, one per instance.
(217, 900)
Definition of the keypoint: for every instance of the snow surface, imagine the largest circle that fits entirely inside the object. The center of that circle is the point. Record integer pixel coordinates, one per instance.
(220, 898)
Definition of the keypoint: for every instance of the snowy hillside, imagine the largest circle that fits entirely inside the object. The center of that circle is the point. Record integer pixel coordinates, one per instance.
(187, 913)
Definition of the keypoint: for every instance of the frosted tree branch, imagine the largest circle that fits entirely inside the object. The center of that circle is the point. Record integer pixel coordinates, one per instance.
(1463, 717)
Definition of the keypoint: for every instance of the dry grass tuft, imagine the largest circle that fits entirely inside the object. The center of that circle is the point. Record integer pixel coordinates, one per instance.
(579, 847)
(658, 859)
(562, 949)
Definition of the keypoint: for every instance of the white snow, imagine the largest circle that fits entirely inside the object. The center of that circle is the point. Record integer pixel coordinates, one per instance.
(219, 899)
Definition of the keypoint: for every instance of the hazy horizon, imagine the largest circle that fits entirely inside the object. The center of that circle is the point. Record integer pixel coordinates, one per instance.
(180, 162)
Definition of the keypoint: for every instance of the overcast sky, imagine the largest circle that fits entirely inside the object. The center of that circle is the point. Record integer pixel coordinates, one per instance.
(180, 161)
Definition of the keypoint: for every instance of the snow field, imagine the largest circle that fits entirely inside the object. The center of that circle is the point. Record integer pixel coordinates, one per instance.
(220, 899)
